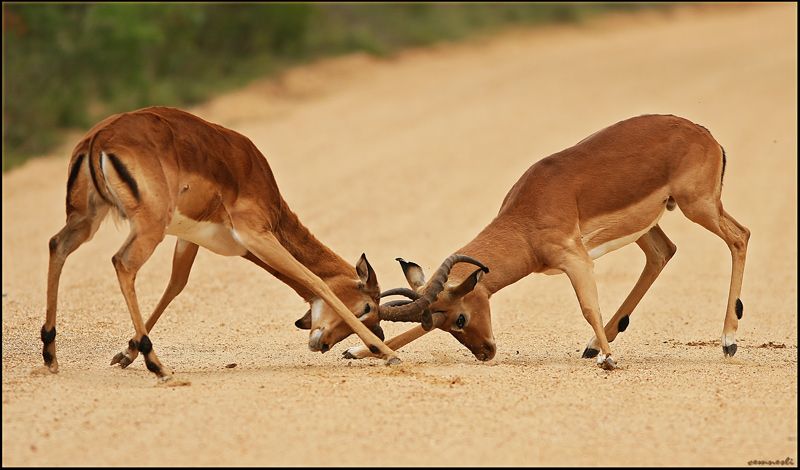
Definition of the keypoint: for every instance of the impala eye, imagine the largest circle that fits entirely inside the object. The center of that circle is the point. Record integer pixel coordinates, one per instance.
(461, 321)
(367, 309)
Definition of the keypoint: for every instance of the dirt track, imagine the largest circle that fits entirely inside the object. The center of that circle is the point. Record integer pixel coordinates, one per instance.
(411, 157)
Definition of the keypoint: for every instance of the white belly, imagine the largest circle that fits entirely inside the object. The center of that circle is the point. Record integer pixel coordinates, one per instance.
(215, 237)
(553, 271)
(611, 245)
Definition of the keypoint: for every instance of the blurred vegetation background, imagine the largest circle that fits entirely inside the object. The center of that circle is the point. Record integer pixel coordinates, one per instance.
(66, 66)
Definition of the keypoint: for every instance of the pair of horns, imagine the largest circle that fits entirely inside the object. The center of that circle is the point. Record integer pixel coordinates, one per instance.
(417, 309)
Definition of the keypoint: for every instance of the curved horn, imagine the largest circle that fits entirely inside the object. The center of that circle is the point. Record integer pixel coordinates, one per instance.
(436, 284)
(466, 285)
(404, 291)
(417, 310)
(395, 303)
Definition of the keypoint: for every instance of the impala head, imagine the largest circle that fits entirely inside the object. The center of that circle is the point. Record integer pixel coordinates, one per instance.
(360, 294)
(460, 307)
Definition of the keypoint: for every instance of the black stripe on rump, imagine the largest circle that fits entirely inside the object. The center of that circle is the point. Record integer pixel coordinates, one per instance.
(123, 173)
(73, 172)
(724, 161)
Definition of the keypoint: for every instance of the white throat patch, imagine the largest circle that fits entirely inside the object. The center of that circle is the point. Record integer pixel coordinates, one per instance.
(316, 310)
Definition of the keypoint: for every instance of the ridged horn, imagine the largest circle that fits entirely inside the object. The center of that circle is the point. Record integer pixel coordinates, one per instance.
(417, 310)
(404, 291)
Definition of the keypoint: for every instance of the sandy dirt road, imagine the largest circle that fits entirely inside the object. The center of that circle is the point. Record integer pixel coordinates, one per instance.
(411, 157)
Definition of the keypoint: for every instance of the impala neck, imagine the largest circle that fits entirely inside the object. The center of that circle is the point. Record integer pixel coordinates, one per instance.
(504, 249)
(309, 251)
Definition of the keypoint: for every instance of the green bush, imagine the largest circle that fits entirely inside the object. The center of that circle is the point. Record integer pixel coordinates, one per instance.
(68, 65)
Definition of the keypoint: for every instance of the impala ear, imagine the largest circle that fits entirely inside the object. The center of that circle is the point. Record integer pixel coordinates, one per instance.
(466, 286)
(368, 276)
(304, 322)
(414, 274)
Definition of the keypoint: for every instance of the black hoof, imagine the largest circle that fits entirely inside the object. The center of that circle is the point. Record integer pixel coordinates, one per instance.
(117, 358)
(48, 358)
(729, 351)
(121, 359)
(347, 355)
(393, 361)
(589, 353)
(608, 364)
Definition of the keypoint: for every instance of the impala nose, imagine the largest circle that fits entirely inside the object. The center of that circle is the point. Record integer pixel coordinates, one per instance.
(315, 340)
(378, 332)
(486, 351)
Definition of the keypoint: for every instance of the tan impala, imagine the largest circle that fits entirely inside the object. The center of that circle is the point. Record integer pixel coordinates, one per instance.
(169, 172)
(570, 208)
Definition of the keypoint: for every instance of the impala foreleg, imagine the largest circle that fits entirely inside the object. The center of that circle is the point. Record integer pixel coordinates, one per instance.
(579, 269)
(182, 260)
(266, 247)
(658, 250)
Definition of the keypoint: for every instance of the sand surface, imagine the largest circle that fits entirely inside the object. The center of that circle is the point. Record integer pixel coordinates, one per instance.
(411, 156)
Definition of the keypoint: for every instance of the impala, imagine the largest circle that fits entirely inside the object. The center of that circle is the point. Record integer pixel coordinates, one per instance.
(572, 207)
(169, 172)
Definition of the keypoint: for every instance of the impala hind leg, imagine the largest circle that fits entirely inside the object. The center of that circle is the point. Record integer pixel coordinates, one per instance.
(579, 268)
(182, 260)
(713, 217)
(80, 227)
(658, 250)
(146, 234)
(267, 248)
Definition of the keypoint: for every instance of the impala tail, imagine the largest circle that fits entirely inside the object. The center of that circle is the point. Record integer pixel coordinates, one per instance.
(111, 179)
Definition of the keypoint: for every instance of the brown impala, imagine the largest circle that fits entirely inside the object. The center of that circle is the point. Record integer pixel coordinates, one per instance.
(572, 207)
(169, 172)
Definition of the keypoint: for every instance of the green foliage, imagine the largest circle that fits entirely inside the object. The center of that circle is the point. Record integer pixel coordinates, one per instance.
(69, 65)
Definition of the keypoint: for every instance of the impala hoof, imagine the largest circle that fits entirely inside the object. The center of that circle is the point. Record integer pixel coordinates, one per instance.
(392, 361)
(53, 367)
(123, 359)
(315, 340)
(589, 353)
(606, 362)
(729, 344)
(348, 355)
